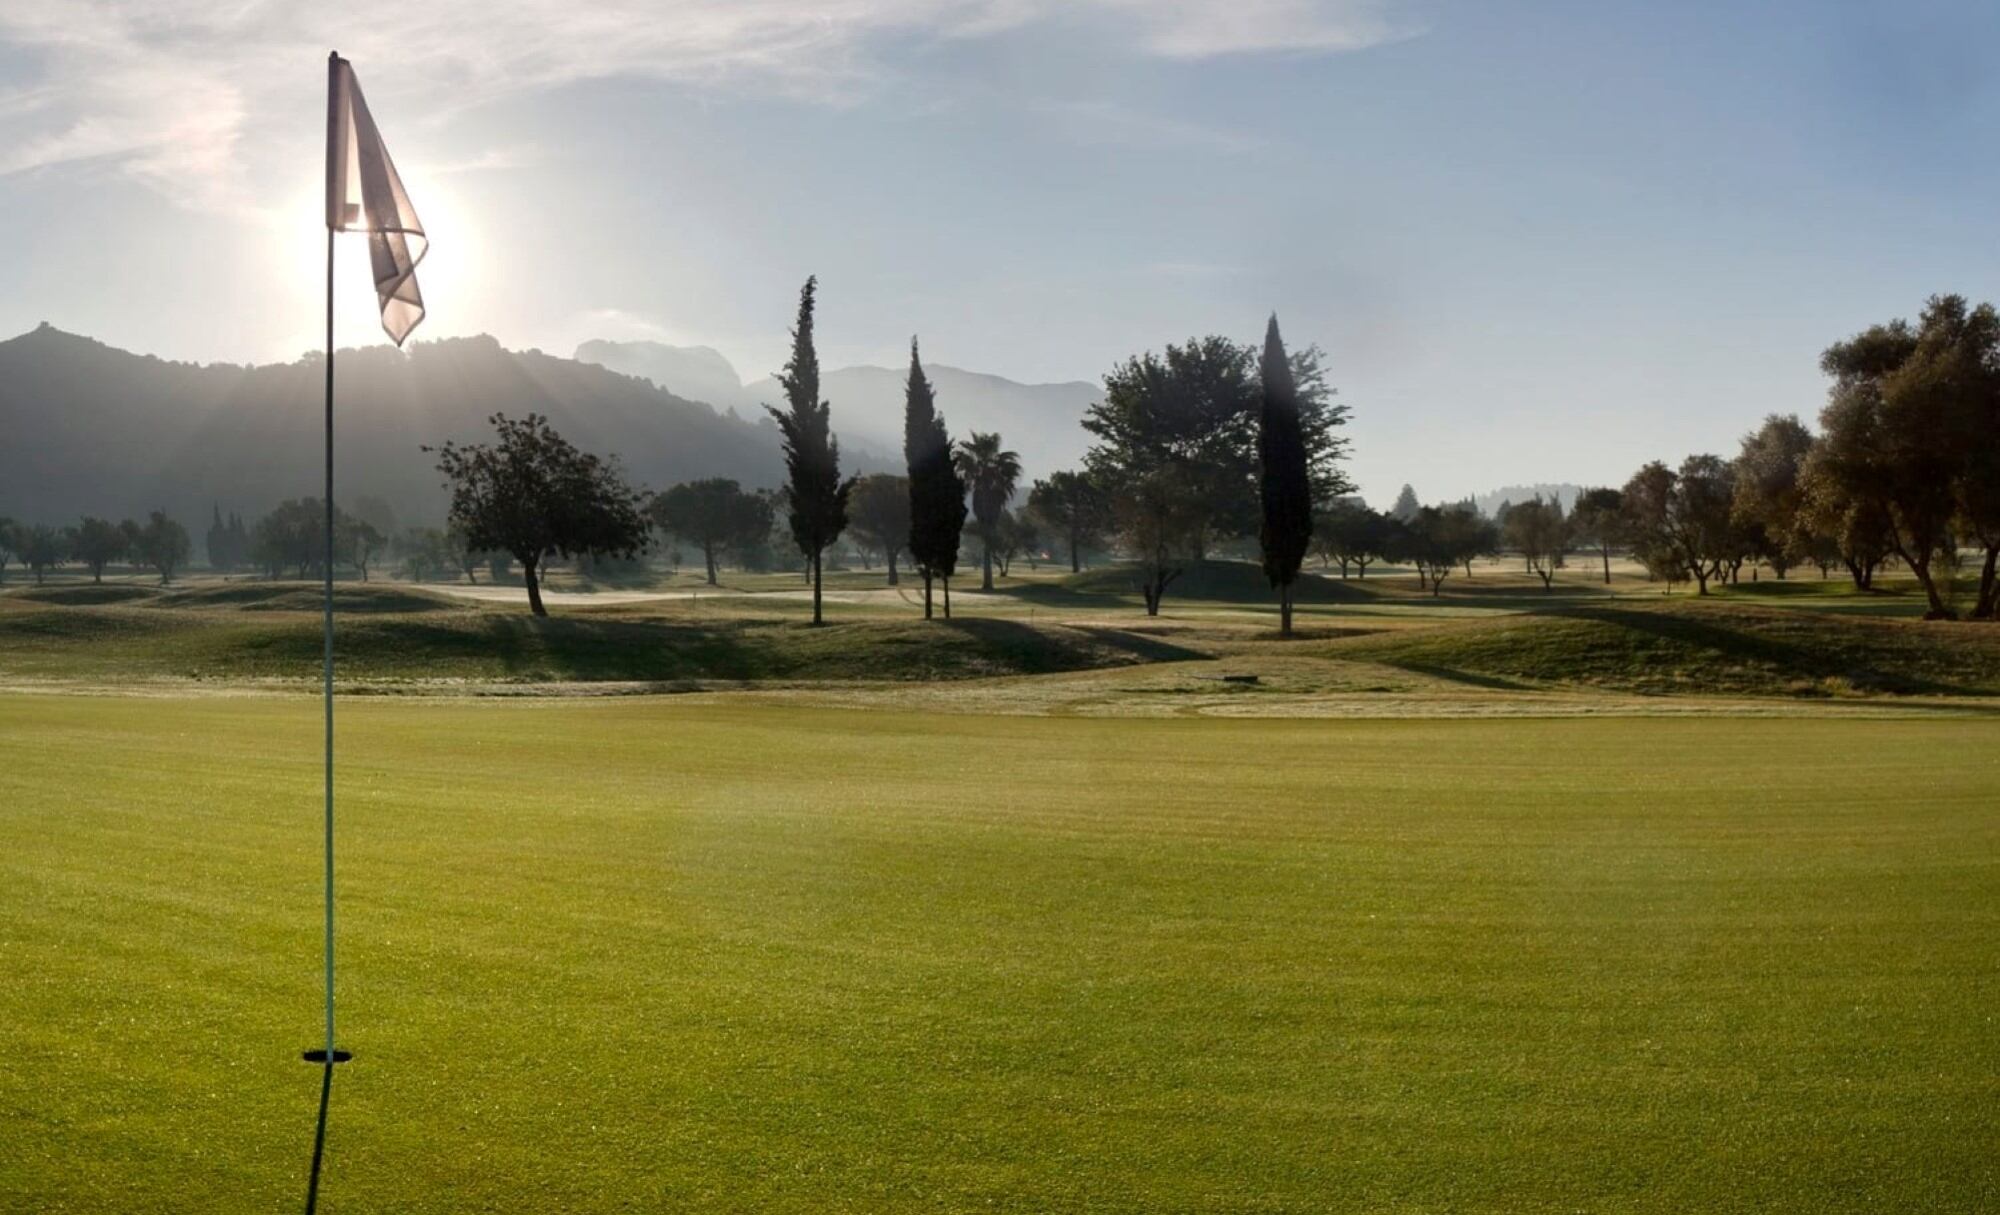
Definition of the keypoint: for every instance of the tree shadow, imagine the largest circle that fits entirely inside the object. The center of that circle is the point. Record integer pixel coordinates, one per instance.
(1823, 659)
(1493, 683)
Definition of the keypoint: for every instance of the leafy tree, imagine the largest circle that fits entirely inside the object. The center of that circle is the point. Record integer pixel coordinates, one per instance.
(10, 543)
(534, 494)
(1769, 500)
(1437, 541)
(814, 492)
(937, 494)
(424, 552)
(1681, 520)
(1597, 521)
(1406, 506)
(291, 536)
(1901, 433)
(163, 544)
(1074, 507)
(357, 540)
(1286, 488)
(1021, 535)
(880, 515)
(99, 542)
(990, 472)
(1350, 533)
(1538, 531)
(1194, 410)
(41, 549)
(715, 514)
(1155, 514)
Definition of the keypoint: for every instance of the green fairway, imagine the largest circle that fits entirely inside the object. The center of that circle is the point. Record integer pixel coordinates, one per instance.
(711, 954)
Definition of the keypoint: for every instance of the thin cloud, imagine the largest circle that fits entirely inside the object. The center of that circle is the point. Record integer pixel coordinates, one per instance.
(166, 89)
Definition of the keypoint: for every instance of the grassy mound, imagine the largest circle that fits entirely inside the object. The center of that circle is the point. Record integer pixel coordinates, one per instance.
(482, 645)
(86, 594)
(308, 597)
(1692, 647)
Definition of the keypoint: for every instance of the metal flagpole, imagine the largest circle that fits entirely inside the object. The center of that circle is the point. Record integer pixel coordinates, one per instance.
(330, 1058)
(332, 68)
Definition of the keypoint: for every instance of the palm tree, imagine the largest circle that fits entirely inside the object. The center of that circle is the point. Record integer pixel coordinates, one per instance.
(990, 472)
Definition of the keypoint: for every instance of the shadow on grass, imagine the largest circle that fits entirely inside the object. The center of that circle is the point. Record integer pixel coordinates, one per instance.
(1827, 655)
(1492, 683)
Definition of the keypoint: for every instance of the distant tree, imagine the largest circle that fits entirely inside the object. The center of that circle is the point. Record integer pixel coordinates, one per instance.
(1286, 487)
(1075, 508)
(163, 544)
(1406, 506)
(715, 514)
(459, 553)
(937, 494)
(290, 536)
(990, 473)
(1681, 520)
(1350, 533)
(879, 513)
(1021, 535)
(99, 542)
(1598, 522)
(814, 493)
(1156, 513)
(1437, 541)
(10, 543)
(1768, 498)
(358, 541)
(41, 549)
(424, 552)
(1538, 531)
(534, 494)
(216, 543)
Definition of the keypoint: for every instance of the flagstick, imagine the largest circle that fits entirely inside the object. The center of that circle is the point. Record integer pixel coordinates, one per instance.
(331, 1059)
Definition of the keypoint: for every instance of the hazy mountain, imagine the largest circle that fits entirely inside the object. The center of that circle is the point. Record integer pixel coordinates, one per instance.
(1040, 421)
(699, 373)
(92, 429)
(1564, 493)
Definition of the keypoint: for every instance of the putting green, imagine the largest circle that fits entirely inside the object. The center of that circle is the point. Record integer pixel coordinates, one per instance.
(698, 955)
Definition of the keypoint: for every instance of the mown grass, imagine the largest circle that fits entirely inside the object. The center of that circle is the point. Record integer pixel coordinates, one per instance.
(704, 956)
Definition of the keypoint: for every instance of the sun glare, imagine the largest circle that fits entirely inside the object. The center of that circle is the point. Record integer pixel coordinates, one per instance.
(448, 273)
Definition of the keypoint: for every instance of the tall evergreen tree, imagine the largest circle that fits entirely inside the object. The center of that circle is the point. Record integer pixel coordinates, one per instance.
(937, 495)
(1286, 481)
(814, 491)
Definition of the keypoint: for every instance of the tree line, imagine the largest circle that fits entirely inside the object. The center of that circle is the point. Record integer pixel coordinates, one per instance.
(1210, 441)
(159, 544)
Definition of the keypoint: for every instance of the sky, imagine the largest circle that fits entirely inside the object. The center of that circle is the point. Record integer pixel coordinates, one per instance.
(1538, 241)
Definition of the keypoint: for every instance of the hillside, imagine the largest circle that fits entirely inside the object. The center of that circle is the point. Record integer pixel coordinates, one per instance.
(93, 429)
(1040, 421)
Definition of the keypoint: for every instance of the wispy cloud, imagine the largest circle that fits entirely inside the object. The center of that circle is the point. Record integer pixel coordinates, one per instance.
(166, 89)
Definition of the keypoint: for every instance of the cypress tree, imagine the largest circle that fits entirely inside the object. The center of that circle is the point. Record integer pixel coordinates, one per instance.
(814, 491)
(1286, 484)
(937, 496)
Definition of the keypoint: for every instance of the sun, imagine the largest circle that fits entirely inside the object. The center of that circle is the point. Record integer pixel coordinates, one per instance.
(449, 274)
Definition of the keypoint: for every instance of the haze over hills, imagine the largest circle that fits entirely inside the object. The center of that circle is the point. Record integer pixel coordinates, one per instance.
(91, 429)
(1040, 421)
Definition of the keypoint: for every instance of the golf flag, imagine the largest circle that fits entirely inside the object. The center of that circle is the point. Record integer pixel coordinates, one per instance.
(363, 194)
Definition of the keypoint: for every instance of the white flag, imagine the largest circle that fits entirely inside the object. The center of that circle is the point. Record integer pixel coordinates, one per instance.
(364, 194)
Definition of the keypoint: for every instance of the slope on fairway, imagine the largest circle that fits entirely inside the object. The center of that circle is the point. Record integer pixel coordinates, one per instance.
(697, 955)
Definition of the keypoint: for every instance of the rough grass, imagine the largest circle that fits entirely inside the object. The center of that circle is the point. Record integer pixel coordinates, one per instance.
(660, 955)
(1716, 648)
